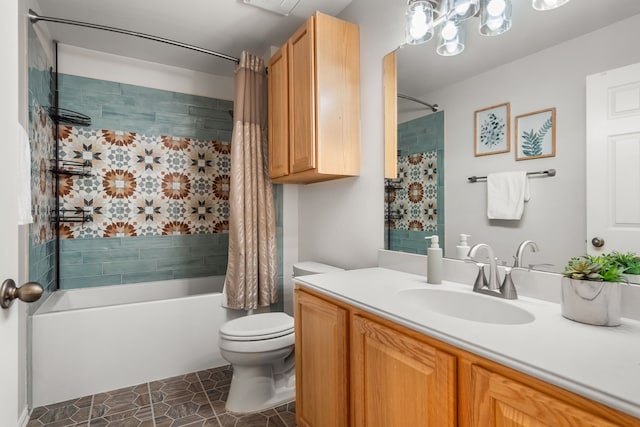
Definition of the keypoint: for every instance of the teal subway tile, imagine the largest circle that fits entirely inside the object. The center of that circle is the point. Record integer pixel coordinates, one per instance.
(209, 250)
(171, 107)
(225, 104)
(147, 94)
(50, 247)
(88, 85)
(224, 135)
(211, 113)
(216, 260)
(215, 124)
(177, 120)
(129, 266)
(129, 113)
(90, 244)
(164, 253)
(194, 239)
(158, 129)
(90, 257)
(90, 282)
(208, 135)
(146, 276)
(147, 242)
(179, 262)
(80, 270)
(200, 101)
(45, 264)
(201, 271)
(185, 131)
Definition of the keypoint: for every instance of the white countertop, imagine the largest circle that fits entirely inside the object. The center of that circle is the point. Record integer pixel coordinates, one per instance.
(600, 363)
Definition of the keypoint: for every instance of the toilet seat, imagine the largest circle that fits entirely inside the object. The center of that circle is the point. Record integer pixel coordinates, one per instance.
(257, 327)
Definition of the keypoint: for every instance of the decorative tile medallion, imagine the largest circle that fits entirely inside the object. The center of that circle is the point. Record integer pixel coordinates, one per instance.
(413, 197)
(143, 185)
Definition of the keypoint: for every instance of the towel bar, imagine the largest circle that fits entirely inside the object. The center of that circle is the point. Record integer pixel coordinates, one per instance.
(548, 172)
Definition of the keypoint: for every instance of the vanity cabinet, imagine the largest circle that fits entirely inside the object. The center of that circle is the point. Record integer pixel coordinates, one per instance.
(322, 392)
(356, 369)
(314, 103)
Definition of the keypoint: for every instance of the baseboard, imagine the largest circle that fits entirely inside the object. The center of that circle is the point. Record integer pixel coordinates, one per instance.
(24, 417)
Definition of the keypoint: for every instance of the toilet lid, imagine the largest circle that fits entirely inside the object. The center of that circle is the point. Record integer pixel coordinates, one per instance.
(258, 327)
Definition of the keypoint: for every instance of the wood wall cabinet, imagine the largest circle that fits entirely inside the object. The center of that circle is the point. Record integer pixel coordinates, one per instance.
(314, 103)
(388, 375)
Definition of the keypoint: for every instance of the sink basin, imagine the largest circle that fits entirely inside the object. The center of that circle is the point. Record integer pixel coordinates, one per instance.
(463, 305)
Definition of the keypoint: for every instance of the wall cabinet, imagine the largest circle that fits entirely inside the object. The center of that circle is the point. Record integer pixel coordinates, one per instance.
(314, 103)
(356, 369)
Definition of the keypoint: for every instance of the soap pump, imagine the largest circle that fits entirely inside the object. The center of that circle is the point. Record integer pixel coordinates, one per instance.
(462, 250)
(434, 261)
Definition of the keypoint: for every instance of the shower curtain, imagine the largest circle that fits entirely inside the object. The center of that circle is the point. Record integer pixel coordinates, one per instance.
(252, 269)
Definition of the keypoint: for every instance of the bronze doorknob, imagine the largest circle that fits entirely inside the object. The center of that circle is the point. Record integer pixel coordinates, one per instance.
(597, 242)
(29, 292)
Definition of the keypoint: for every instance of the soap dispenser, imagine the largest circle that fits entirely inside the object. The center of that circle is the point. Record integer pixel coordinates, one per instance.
(434, 261)
(462, 250)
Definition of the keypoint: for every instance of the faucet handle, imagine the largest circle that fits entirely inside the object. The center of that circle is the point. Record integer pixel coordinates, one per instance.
(508, 289)
(481, 279)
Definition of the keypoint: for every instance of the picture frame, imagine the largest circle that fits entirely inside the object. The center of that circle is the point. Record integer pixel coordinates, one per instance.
(536, 134)
(492, 130)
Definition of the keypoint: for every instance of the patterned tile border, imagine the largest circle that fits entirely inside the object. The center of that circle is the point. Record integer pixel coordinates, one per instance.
(195, 399)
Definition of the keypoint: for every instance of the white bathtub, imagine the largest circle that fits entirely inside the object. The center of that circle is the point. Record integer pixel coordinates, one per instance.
(92, 340)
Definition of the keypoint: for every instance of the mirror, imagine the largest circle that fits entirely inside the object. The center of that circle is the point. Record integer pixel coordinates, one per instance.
(541, 63)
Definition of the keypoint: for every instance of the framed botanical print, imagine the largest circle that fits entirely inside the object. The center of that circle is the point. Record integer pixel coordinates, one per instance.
(536, 135)
(492, 130)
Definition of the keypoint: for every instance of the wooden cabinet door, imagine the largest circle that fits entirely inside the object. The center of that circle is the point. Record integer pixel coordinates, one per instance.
(279, 114)
(399, 381)
(302, 143)
(498, 401)
(321, 352)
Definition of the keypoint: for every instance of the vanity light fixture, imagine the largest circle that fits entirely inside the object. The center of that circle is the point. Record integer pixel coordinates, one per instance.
(424, 17)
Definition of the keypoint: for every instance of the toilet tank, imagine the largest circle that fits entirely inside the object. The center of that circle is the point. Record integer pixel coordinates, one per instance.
(311, 267)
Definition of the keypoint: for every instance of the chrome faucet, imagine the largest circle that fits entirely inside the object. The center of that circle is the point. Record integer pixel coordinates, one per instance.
(520, 251)
(493, 283)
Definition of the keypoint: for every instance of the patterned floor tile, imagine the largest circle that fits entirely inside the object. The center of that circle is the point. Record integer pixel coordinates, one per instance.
(192, 400)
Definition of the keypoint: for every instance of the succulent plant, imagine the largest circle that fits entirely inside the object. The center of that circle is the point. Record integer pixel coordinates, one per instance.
(597, 268)
(627, 262)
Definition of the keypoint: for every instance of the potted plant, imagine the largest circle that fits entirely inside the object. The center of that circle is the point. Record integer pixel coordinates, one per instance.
(591, 290)
(629, 263)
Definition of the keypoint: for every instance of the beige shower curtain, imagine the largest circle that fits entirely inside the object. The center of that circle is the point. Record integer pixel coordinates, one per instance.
(252, 270)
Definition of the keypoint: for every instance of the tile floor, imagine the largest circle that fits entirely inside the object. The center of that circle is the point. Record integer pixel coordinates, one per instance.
(195, 399)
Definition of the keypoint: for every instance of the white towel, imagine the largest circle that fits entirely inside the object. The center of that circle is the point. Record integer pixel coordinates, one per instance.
(24, 177)
(506, 194)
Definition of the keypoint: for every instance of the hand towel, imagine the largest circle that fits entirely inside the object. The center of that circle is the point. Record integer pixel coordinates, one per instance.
(506, 194)
(24, 177)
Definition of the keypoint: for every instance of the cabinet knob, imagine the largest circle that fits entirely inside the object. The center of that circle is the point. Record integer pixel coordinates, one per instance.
(598, 242)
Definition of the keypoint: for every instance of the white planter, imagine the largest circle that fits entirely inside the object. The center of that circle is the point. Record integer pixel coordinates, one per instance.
(591, 302)
(632, 278)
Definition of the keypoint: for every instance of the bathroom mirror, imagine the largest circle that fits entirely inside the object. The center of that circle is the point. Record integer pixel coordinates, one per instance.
(541, 63)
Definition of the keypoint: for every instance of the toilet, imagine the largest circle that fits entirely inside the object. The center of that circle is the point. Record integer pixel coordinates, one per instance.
(259, 347)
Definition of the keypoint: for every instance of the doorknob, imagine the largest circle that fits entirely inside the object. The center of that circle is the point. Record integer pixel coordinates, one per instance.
(597, 242)
(29, 292)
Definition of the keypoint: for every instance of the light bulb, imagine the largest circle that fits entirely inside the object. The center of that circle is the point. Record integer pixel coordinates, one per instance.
(462, 7)
(451, 46)
(550, 3)
(418, 27)
(496, 7)
(449, 31)
(495, 23)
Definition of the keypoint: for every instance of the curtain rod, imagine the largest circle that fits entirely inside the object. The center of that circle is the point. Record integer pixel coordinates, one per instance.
(433, 107)
(34, 17)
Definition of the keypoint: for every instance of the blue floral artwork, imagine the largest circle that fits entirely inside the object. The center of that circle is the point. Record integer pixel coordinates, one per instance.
(535, 135)
(492, 130)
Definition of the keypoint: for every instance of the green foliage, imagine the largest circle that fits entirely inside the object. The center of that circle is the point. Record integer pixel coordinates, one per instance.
(627, 262)
(597, 268)
(532, 141)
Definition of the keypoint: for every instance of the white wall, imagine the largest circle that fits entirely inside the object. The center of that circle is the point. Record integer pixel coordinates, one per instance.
(104, 66)
(555, 216)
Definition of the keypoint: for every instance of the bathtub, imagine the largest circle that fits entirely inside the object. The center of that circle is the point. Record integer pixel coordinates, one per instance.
(88, 341)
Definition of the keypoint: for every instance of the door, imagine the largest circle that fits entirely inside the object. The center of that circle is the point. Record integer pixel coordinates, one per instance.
(613, 156)
(9, 213)
(321, 362)
(399, 381)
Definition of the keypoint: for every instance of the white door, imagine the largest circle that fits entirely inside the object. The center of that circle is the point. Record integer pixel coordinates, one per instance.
(613, 160)
(8, 210)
